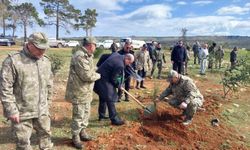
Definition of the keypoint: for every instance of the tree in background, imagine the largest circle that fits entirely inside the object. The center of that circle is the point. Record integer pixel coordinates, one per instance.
(4, 14)
(87, 21)
(60, 13)
(13, 20)
(28, 15)
(184, 35)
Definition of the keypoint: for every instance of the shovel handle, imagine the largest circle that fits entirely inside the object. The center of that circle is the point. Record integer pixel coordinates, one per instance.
(136, 100)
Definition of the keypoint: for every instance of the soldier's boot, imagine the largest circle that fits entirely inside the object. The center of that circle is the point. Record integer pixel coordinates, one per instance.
(84, 136)
(142, 85)
(77, 142)
(137, 85)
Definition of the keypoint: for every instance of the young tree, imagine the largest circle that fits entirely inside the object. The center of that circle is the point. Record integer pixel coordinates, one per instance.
(28, 15)
(184, 34)
(4, 14)
(60, 13)
(88, 21)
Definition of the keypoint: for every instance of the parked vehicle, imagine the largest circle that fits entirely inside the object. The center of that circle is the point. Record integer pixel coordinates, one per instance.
(53, 42)
(136, 44)
(106, 44)
(7, 42)
(71, 44)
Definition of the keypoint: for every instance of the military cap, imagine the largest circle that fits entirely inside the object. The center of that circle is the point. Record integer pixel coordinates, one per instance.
(39, 39)
(89, 40)
(172, 74)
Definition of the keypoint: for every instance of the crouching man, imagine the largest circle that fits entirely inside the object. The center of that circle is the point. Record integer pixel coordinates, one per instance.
(186, 96)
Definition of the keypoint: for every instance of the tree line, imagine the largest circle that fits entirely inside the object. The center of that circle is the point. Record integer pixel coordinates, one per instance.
(59, 13)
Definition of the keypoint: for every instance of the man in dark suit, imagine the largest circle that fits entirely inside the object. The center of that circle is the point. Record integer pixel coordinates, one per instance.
(178, 57)
(112, 76)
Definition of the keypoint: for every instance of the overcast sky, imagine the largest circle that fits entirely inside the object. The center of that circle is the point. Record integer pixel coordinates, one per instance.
(160, 17)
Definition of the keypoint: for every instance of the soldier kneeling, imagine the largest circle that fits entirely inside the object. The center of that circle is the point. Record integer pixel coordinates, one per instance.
(186, 96)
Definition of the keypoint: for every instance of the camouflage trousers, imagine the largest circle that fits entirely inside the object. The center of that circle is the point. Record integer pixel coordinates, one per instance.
(191, 107)
(80, 117)
(218, 62)
(23, 131)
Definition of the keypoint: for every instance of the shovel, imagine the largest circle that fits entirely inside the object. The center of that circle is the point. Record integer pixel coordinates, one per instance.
(148, 110)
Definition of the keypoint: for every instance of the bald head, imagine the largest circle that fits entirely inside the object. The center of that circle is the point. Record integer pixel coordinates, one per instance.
(129, 59)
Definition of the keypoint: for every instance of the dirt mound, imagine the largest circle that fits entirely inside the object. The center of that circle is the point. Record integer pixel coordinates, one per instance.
(164, 131)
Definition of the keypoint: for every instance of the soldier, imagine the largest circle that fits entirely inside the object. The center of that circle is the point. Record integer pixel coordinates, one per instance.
(211, 56)
(196, 48)
(79, 92)
(26, 92)
(219, 54)
(187, 59)
(127, 49)
(178, 57)
(233, 57)
(186, 95)
(143, 64)
(112, 77)
(159, 56)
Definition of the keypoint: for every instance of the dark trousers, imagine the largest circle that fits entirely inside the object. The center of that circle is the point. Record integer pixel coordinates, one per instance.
(178, 66)
(103, 104)
(127, 86)
(142, 73)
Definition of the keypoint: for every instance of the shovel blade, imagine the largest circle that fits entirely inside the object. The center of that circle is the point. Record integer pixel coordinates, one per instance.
(149, 110)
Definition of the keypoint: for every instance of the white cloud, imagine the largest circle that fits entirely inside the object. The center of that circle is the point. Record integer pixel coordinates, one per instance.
(205, 2)
(181, 3)
(234, 10)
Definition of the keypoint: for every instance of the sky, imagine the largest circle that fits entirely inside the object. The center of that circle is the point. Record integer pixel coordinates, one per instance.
(159, 18)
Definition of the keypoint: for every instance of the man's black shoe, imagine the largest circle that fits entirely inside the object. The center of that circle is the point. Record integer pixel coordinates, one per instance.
(118, 122)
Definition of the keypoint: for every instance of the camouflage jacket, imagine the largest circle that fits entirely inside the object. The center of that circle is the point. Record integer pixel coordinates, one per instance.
(184, 91)
(159, 55)
(26, 85)
(219, 54)
(142, 60)
(82, 76)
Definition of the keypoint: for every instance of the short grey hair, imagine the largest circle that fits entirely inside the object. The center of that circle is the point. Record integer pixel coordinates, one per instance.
(130, 57)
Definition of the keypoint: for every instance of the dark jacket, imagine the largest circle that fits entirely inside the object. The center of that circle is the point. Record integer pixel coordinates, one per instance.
(112, 72)
(233, 56)
(179, 54)
(102, 59)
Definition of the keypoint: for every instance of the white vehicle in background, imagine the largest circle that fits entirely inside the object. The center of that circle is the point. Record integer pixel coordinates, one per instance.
(71, 44)
(106, 44)
(136, 44)
(53, 42)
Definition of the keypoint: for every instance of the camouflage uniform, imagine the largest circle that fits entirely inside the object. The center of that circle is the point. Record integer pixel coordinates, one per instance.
(142, 64)
(211, 56)
(184, 91)
(26, 91)
(79, 92)
(160, 58)
(219, 54)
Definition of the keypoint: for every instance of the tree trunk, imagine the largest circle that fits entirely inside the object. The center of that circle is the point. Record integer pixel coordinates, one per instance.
(90, 31)
(57, 21)
(87, 32)
(4, 26)
(25, 32)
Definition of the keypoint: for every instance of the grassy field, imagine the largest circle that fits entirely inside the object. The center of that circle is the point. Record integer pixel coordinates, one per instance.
(235, 116)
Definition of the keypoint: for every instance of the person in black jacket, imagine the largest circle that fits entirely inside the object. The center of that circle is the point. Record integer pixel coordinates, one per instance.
(233, 57)
(112, 76)
(178, 57)
(127, 49)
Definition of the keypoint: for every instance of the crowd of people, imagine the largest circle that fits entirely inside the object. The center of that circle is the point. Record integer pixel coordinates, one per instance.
(26, 84)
